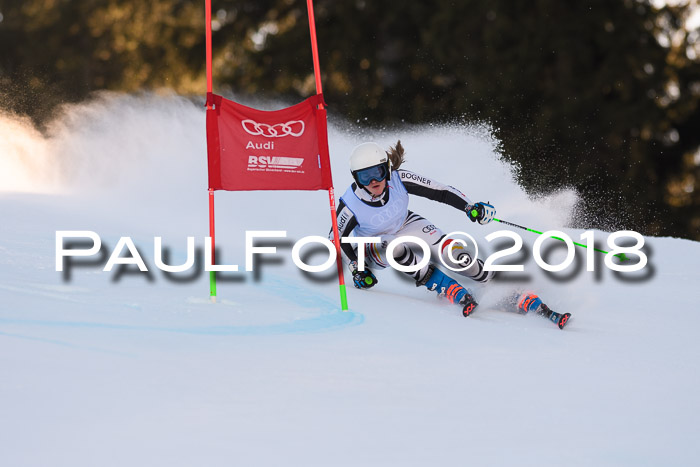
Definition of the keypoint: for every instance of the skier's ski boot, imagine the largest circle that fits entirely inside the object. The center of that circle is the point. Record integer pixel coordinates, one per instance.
(531, 302)
(527, 302)
(446, 287)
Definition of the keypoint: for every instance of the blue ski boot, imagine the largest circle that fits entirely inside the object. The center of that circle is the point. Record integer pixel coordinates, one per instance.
(530, 302)
(446, 287)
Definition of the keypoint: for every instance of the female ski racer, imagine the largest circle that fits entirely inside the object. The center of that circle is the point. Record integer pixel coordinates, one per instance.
(376, 205)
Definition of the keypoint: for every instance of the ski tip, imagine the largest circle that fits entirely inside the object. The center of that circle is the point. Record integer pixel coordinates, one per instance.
(563, 320)
(468, 309)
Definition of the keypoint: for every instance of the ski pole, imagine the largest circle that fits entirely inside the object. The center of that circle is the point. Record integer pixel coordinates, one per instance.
(619, 255)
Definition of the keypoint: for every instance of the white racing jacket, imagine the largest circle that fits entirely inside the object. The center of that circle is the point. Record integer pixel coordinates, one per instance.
(363, 216)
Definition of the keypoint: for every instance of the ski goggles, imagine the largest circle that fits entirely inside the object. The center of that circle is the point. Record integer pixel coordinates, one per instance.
(376, 172)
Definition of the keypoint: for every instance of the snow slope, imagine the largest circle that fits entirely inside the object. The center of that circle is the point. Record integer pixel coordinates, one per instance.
(127, 368)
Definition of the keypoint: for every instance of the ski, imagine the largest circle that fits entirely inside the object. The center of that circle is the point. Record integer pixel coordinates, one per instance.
(560, 319)
(469, 305)
(468, 309)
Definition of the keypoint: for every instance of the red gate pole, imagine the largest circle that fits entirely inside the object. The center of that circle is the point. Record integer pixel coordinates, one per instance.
(212, 234)
(314, 46)
(212, 230)
(331, 193)
(207, 19)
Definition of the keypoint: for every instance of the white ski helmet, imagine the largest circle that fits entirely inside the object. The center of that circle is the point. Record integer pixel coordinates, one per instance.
(368, 155)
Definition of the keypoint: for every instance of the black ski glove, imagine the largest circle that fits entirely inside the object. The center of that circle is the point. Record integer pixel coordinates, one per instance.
(363, 279)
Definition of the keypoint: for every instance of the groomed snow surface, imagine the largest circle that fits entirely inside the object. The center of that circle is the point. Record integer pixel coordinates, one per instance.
(124, 368)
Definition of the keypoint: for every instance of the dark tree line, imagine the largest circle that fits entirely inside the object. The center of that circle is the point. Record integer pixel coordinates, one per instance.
(600, 95)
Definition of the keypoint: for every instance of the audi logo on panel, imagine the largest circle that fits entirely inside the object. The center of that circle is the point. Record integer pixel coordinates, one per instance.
(292, 128)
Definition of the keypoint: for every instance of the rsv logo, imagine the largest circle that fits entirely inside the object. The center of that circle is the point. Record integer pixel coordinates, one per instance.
(274, 162)
(292, 128)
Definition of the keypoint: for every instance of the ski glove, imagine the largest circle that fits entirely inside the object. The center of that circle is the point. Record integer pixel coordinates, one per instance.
(481, 212)
(364, 279)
